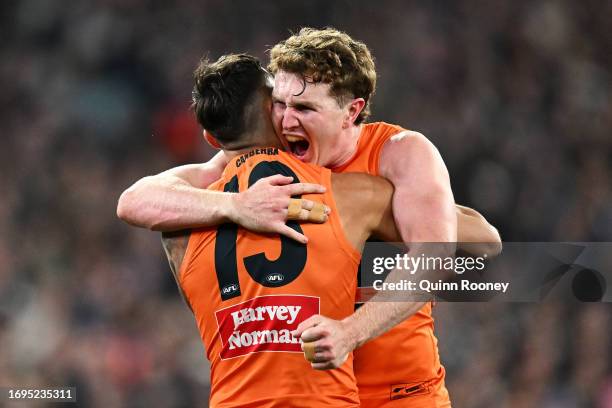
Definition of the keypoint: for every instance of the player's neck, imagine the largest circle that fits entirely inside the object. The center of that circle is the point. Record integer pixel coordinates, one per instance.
(272, 142)
(351, 136)
(261, 135)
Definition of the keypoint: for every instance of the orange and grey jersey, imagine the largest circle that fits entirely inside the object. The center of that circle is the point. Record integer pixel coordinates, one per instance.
(249, 291)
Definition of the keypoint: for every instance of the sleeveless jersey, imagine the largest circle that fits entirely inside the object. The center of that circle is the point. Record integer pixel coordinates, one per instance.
(249, 291)
(402, 367)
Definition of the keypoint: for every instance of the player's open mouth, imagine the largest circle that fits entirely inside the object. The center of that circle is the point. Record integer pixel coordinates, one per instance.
(298, 145)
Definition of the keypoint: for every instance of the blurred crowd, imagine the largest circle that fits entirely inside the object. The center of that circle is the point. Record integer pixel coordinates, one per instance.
(516, 95)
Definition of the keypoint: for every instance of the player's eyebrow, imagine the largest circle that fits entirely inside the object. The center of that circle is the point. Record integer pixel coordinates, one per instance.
(302, 104)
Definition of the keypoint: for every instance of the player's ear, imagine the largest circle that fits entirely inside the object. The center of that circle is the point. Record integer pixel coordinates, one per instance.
(268, 103)
(354, 109)
(210, 139)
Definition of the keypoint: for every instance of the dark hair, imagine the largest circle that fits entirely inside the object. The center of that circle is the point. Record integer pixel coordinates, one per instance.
(222, 93)
(332, 57)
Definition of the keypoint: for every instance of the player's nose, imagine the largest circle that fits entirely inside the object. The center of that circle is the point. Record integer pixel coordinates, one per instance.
(289, 119)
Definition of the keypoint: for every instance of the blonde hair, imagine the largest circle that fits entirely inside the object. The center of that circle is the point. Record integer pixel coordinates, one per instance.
(329, 56)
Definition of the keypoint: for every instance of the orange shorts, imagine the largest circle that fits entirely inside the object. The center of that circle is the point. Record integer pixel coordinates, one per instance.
(423, 395)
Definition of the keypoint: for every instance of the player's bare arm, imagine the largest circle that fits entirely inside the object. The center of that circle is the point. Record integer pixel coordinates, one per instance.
(364, 205)
(177, 199)
(175, 245)
(173, 199)
(475, 235)
(420, 178)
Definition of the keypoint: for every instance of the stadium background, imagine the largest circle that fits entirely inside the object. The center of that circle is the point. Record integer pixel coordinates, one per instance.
(516, 95)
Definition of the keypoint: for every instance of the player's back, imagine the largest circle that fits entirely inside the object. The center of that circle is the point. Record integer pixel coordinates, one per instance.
(248, 292)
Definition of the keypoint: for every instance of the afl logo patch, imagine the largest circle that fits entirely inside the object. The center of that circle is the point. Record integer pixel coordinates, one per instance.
(275, 277)
(230, 288)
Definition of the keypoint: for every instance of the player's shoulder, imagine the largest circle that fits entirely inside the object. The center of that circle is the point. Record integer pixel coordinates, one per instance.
(412, 137)
(381, 128)
(408, 143)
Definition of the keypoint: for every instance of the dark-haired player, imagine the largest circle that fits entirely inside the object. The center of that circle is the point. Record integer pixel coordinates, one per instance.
(249, 291)
(324, 80)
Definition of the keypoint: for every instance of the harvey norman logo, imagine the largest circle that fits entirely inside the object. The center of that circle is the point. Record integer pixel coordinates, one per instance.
(264, 324)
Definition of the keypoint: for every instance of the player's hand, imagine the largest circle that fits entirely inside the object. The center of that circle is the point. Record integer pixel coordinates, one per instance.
(264, 206)
(331, 340)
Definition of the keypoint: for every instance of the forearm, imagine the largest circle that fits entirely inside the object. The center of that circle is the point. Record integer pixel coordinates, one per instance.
(168, 203)
(433, 239)
(475, 235)
(176, 199)
(389, 307)
(380, 314)
(377, 317)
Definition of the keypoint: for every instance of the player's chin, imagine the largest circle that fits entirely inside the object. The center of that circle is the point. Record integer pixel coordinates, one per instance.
(323, 366)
